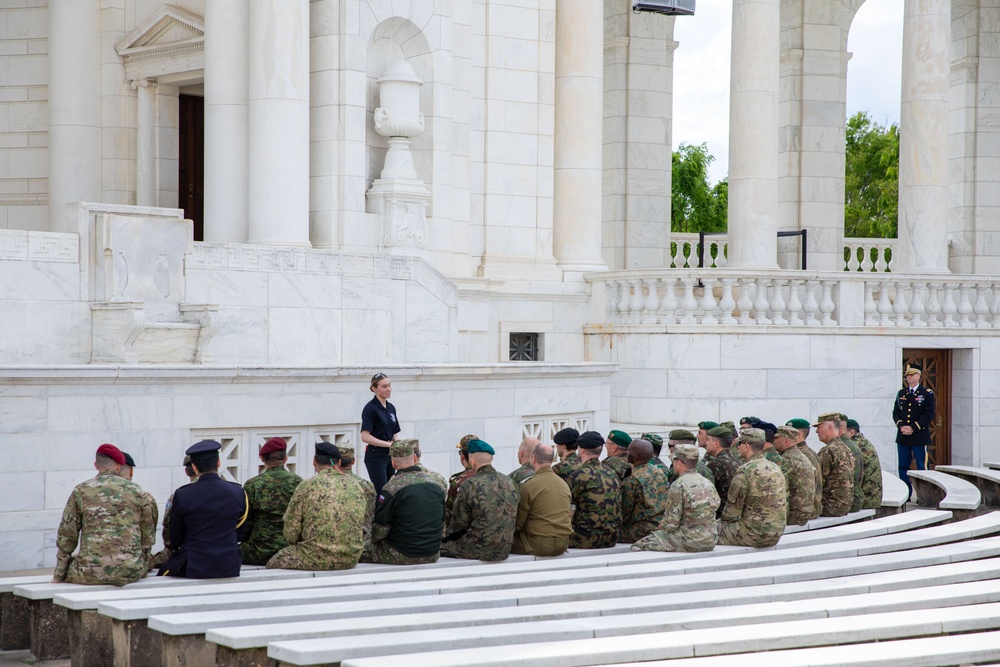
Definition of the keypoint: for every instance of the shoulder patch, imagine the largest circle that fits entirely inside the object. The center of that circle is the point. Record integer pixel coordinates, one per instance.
(930, 391)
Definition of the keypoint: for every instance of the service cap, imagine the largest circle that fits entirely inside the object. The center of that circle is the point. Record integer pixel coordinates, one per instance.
(912, 369)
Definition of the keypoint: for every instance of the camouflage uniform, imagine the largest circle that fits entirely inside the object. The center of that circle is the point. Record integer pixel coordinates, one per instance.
(703, 469)
(838, 478)
(409, 520)
(454, 482)
(597, 497)
(808, 452)
(482, 524)
(755, 511)
(800, 482)
(114, 524)
(723, 467)
(871, 477)
(567, 465)
(370, 497)
(162, 556)
(858, 497)
(620, 465)
(323, 524)
(268, 494)
(772, 455)
(644, 497)
(522, 473)
(436, 476)
(689, 518)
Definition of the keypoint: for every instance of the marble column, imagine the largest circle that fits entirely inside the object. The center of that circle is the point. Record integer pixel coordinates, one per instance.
(753, 135)
(145, 142)
(227, 24)
(923, 137)
(74, 93)
(279, 122)
(579, 119)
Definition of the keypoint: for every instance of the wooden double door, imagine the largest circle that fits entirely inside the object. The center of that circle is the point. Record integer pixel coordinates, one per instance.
(937, 378)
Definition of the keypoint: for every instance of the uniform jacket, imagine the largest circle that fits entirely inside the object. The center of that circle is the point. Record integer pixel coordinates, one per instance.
(916, 410)
(204, 520)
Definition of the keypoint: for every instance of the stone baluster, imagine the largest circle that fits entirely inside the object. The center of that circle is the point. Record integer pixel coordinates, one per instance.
(794, 304)
(778, 303)
(708, 305)
(688, 304)
(884, 304)
(933, 305)
(745, 303)
(900, 307)
(880, 265)
(637, 302)
(760, 304)
(652, 303)
(827, 306)
(668, 304)
(721, 259)
(994, 307)
(871, 311)
(623, 300)
(852, 258)
(950, 307)
(727, 304)
(866, 259)
(965, 306)
(811, 306)
(982, 307)
(917, 303)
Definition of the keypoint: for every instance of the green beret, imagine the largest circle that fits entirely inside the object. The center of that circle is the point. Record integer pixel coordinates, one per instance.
(752, 435)
(653, 439)
(620, 438)
(853, 423)
(403, 448)
(798, 423)
(708, 426)
(682, 435)
(476, 446)
(788, 432)
(828, 417)
(720, 431)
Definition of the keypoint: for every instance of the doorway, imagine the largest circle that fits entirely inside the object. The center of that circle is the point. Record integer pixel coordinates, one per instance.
(937, 378)
(191, 161)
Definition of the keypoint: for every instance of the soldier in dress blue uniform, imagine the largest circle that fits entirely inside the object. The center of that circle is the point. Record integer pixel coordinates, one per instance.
(205, 519)
(913, 412)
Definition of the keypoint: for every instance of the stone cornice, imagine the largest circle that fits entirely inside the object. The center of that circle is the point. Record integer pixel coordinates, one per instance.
(171, 41)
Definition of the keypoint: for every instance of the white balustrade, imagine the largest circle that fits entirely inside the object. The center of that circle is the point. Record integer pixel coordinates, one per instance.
(684, 251)
(869, 255)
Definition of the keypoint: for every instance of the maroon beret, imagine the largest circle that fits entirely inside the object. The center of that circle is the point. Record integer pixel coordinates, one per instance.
(273, 445)
(112, 453)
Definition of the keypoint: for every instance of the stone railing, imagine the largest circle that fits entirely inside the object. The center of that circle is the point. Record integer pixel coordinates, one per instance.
(684, 251)
(797, 298)
(869, 254)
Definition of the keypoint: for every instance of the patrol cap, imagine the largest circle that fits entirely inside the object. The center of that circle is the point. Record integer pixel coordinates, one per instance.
(403, 448)
(129, 461)
(798, 423)
(827, 417)
(682, 435)
(590, 440)
(720, 431)
(463, 444)
(346, 451)
(275, 444)
(912, 369)
(567, 436)
(853, 423)
(324, 448)
(620, 438)
(685, 450)
(476, 446)
(752, 435)
(112, 453)
(654, 439)
(788, 431)
(708, 426)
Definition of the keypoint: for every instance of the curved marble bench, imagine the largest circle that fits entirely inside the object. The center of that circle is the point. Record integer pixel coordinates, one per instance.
(895, 494)
(995, 465)
(946, 492)
(988, 481)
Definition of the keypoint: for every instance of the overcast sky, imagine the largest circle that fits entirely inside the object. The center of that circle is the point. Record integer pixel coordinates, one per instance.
(701, 72)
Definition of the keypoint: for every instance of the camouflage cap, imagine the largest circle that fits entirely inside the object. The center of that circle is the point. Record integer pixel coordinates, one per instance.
(682, 435)
(827, 417)
(346, 451)
(843, 417)
(853, 423)
(707, 425)
(752, 435)
(685, 450)
(620, 438)
(798, 423)
(403, 448)
(463, 444)
(653, 439)
(720, 431)
(788, 432)
(730, 425)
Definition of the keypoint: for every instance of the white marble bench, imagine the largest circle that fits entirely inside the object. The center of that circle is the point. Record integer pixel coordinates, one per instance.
(944, 491)
(830, 521)
(608, 647)
(895, 493)
(994, 465)
(986, 480)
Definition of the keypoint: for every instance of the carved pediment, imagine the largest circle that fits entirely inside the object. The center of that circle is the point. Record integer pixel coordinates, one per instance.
(170, 41)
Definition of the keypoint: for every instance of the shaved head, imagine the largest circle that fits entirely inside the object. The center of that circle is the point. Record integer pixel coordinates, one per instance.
(524, 451)
(640, 451)
(542, 456)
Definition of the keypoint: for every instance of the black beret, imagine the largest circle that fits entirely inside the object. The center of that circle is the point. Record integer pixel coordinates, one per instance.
(567, 436)
(590, 440)
(129, 461)
(324, 448)
(766, 426)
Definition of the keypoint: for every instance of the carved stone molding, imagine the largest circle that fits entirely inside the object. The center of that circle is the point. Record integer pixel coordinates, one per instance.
(170, 42)
(207, 317)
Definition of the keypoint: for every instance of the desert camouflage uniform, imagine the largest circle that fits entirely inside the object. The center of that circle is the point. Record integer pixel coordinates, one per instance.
(644, 497)
(620, 465)
(689, 518)
(871, 473)
(567, 465)
(114, 523)
(267, 494)
(723, 467)
(755, 511)
(597, 497)
(858, 498)
(323, 524)
(524, 472)
(800, 482)
(838, 478)
(482, 524)
(370, 497)
(808, 452)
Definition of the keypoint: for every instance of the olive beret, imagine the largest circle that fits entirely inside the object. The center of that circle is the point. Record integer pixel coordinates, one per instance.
(720, 431)
(707, 425)
(682, 435)
(620, 438)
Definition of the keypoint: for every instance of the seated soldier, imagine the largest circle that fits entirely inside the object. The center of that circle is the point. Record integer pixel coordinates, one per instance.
(268, 494)
(163, 556)
(346, 466)
(543, 525)
(644, 493)
(755, 509)
(596, 495)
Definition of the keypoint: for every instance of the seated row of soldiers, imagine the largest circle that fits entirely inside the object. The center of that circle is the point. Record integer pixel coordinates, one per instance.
(743, 493)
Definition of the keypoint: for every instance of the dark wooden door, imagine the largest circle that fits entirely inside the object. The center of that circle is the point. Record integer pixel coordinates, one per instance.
(937, 377)
(191, 165)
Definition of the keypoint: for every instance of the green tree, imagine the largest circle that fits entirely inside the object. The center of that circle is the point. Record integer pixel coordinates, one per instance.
(696, 206)
(871, 187)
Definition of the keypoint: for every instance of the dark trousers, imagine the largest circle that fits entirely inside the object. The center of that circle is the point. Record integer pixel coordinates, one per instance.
(905, 454)
(379, 467)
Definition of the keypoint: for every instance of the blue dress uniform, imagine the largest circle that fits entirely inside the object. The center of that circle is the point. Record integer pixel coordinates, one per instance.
(204, 520)
(915, 408)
